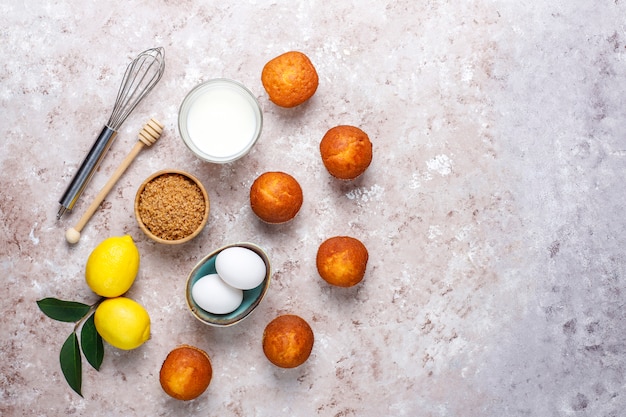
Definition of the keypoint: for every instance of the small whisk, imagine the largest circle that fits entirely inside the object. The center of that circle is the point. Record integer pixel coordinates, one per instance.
(140, 77)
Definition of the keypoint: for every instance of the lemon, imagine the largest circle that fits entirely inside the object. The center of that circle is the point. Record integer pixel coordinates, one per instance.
(112, 266)
(122, 322)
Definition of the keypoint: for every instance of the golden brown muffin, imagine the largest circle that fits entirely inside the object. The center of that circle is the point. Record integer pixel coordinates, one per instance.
(275, 197)
(186, 373)
(346, 152)
(288, 341)
(341, 261)
(289, 79)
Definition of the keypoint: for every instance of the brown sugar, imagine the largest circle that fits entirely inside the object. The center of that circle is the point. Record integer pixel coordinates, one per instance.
(172, 206)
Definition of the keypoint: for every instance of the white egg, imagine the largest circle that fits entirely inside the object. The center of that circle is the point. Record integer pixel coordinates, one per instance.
(212, 294)
(240, 267)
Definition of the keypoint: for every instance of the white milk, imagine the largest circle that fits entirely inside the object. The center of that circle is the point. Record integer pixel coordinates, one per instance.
(220, 120)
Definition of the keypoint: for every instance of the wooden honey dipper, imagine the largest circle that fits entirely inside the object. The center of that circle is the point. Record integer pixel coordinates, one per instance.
(147, 136)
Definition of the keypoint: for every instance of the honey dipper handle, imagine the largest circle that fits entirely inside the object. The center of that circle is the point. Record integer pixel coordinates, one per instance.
(99, 198)
(147, 136)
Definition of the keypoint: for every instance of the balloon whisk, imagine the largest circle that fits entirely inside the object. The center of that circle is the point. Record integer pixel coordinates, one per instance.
(140, 77)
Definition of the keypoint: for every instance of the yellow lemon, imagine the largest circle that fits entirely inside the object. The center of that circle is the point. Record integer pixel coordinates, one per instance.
(122, 322)
(112, 266)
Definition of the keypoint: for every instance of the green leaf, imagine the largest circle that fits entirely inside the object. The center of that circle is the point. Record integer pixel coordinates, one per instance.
(91, 343)
(68, 311)
(71, 364)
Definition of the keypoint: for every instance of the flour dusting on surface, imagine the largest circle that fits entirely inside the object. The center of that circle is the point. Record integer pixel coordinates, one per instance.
(415, 181)
(441, 164)
(433, 232)
(464, 233)
(417, 178)
(32, 236)
(364, 195)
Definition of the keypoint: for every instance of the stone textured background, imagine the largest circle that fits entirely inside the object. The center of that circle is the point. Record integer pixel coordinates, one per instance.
(493, 210)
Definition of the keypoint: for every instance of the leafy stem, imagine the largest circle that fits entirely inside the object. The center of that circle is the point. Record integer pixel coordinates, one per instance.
(90, 343)
(92, 309)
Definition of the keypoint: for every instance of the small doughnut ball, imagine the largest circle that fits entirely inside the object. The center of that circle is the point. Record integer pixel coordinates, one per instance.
(275, 197)
(346, 152)
(288, 341)
(341, 261)
(186, 373)
(289, 79)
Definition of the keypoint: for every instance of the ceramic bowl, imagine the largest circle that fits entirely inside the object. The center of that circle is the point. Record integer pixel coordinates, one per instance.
(161, 239)
(251, 298)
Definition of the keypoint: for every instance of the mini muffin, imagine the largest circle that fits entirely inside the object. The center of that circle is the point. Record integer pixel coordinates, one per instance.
(341, 261)
(346, 152)
(186, 373)
(275, 197)
(288, 341)
(289, 79)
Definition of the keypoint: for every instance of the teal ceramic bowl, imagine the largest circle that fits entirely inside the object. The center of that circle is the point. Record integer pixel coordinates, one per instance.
(251, 298)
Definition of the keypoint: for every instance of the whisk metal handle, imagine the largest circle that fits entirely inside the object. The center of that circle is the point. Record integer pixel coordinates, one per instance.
(88, 167)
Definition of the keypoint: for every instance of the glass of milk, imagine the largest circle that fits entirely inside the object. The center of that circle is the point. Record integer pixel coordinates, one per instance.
(220, 120)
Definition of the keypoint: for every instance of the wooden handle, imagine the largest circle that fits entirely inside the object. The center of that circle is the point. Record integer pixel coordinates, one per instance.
(147, 136)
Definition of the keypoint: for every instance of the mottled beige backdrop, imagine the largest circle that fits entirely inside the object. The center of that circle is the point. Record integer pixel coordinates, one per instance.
(492, 210)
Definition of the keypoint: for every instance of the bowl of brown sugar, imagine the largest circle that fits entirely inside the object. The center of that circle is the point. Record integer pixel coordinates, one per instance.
(171, 206)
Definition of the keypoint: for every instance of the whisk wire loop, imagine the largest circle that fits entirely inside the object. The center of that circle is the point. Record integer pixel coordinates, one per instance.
(140, 77)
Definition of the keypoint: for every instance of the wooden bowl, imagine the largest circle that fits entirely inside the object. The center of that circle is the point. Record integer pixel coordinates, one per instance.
(175, 236)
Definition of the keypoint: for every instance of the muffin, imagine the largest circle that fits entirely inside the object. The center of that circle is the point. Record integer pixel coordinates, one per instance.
(288, 341)
(289, 79)
(186, 373)
(275, 197)
(346, 152)
(341, 261)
